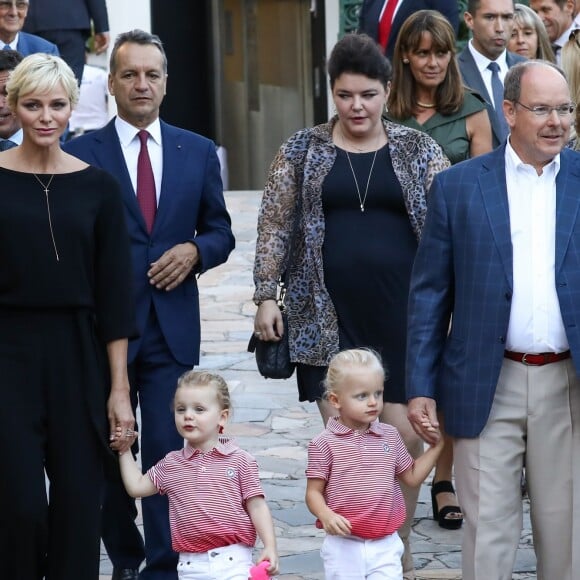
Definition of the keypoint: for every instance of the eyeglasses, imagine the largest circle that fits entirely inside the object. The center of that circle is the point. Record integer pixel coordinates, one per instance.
(545, 110)
(7, 4)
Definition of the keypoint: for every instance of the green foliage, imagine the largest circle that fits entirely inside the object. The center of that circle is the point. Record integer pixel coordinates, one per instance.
(463, 35)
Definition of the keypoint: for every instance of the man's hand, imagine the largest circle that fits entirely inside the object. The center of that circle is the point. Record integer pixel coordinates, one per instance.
(101, 40)
(422, 414)
(173, 267)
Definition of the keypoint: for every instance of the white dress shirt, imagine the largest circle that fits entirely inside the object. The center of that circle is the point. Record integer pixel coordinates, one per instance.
(482, 63)
(130, 145)
(535, 320)
(12, 44)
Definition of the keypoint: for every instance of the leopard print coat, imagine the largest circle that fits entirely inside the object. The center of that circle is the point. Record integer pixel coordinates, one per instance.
(298, 171)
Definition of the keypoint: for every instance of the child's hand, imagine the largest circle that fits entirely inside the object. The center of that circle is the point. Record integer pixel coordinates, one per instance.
(270, 555)
(440, 439)
(335, 524)
(122, 441)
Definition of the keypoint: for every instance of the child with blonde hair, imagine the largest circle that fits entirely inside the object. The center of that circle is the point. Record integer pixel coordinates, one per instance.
(216, 502)
(353, 470)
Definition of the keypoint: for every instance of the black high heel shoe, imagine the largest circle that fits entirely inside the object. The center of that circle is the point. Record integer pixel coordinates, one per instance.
(442, 515)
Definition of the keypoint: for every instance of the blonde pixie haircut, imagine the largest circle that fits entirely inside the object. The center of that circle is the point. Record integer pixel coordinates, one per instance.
(41, 73)
(346, 361)
(206, 379)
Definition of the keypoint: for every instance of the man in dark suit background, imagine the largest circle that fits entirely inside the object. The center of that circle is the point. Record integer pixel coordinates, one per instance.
(67, 23)
(382, 19)
(485, 61)
(10, 129)
(12, 18)
(499, 260)
(186, 234)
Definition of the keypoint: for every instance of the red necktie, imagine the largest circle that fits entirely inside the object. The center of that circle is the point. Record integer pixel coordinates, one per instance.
(385, 23)
(146, 183)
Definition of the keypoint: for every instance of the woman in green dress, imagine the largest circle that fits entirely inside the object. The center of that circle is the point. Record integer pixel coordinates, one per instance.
(427, 91)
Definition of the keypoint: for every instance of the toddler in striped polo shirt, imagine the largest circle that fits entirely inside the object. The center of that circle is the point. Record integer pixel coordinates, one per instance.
(216, 502)
(354, 468)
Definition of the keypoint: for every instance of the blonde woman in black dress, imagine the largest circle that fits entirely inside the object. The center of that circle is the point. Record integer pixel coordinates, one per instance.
(65, 316)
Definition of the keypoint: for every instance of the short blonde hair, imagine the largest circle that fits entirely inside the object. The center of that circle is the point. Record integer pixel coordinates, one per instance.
(41, 73)
(346, 361)
(206, 379)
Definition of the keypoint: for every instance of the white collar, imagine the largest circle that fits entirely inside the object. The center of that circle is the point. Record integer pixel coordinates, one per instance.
(482, 61)
(128, 132)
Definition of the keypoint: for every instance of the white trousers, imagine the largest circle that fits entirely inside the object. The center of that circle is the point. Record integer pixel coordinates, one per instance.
(350, 558)
(226, 563)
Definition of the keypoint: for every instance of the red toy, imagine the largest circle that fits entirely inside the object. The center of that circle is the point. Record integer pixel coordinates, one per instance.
(258, 572)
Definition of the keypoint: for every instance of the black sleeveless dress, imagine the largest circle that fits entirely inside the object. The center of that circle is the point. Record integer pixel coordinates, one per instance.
(368, 256)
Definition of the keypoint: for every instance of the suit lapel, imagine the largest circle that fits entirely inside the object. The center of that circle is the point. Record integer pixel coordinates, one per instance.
(493, 190)
(567, 187)
(110, 157)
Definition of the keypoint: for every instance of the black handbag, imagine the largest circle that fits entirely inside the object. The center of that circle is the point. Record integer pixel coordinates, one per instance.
(273, 357)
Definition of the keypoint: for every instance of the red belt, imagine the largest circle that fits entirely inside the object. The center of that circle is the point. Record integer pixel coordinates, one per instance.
(537, 360)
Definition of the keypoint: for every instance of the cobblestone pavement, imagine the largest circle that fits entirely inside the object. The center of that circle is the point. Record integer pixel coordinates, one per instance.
(269, 422)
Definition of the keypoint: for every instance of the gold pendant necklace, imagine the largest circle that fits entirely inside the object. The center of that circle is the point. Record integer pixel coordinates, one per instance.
(361, 200)
(46, 190)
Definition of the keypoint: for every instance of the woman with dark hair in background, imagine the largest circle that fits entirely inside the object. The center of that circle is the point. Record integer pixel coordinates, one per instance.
(427, 93)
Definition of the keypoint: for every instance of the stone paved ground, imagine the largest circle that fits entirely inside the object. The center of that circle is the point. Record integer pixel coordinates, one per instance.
(270, 423)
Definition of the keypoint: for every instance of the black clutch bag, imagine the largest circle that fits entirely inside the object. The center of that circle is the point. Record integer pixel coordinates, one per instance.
(273, 357)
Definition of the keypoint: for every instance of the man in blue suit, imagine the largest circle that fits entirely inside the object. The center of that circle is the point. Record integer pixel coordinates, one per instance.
(373, 11)
(12, 17)
(67, 23)
(499, 260)
(491, 23)
(187, 233)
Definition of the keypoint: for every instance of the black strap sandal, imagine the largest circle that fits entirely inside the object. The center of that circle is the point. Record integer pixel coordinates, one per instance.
(442, 515)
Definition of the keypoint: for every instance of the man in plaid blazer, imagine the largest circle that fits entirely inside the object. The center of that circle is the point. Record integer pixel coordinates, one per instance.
(499, 260)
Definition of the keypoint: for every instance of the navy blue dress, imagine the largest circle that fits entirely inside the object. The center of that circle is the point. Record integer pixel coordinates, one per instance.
(368, 258)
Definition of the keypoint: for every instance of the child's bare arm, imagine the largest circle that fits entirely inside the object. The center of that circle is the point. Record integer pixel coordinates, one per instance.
(262, 520)
(136, 483)
(333, 523)
(416, 474)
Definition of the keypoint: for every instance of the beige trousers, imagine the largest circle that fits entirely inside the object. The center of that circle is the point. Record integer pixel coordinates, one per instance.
(535, 416)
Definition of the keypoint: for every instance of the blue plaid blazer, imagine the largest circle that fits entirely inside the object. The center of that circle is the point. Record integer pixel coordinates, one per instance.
(463, 273)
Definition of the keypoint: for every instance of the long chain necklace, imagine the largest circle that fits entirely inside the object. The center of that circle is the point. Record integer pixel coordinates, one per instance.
(46, 190)
(361, 200)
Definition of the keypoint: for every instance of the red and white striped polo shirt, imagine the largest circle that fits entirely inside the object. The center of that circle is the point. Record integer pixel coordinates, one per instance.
(207, 494)
(360, 470)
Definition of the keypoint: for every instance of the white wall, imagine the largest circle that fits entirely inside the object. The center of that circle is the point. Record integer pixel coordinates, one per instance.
(123, 15)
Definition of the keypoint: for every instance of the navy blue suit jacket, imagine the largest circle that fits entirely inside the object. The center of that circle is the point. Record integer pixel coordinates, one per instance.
(464, 269)
(66, 15)
(31, 44)
(191, 208)
(472, 79)
(371, 10)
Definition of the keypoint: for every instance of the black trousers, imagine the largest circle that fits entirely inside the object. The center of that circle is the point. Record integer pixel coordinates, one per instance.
(71, 45)
(52, 420)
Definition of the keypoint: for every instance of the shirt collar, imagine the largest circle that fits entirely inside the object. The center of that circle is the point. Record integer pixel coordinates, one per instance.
(224, 446)
(560, 42)
(482, 62)
(17, 137)
(128, 132)
(514, 162)
(336, 427)
(12, 44)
